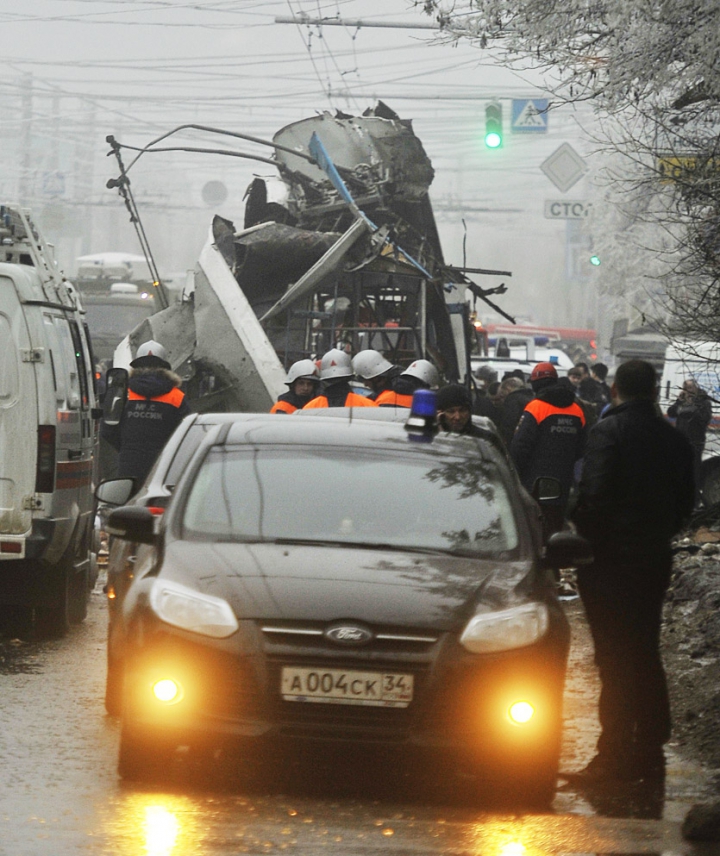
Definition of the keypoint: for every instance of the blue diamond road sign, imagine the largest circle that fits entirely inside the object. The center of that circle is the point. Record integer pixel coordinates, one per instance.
(529, 115)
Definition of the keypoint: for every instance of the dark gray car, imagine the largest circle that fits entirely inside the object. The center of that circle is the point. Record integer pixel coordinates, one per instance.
(335, 581)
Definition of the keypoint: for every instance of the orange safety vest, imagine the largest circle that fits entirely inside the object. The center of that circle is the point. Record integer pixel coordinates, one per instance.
(174, 397)
(388, 398)
(541, 410)
(283, 407)
(352, 399)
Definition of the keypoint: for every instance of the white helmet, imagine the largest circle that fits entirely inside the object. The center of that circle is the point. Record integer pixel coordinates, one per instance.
(425, 371)
(369, 364)
(150, 354)
(335, 364)
(302, 369)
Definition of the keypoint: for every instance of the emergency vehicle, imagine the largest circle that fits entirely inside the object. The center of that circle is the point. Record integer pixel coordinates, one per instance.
(47, 433)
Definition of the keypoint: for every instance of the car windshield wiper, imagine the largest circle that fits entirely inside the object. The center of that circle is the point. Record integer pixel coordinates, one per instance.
(361, 545)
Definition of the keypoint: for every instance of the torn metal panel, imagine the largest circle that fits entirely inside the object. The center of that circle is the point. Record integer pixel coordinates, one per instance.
(174, 327)
(370, 151)
(321, 269)
(270, 257)
(230, 339)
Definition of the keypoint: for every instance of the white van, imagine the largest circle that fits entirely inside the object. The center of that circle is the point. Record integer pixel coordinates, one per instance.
(700, 361)
(47, 433)
(686, 359)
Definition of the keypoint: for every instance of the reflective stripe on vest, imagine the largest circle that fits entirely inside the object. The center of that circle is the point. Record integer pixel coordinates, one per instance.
(388, 398)
(542, 409)
(352, 399)
(174, 397)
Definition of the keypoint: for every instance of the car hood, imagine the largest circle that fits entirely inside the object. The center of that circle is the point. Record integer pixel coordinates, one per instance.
(325, 583)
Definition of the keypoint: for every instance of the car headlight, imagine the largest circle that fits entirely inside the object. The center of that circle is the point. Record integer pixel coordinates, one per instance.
(502, 631)
(191, 610)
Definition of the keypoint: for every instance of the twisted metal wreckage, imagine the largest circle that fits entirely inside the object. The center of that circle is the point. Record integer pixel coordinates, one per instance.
(352, 258)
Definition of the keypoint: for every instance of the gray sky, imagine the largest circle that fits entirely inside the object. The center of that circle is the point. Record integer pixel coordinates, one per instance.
(142, 67)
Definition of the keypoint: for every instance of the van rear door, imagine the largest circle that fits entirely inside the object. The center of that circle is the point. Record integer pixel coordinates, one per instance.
(18, 421)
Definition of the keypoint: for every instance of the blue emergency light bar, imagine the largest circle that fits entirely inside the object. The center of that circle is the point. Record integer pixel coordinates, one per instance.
(421, 424)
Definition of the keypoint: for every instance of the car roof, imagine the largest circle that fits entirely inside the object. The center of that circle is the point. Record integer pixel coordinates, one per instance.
(332, 430)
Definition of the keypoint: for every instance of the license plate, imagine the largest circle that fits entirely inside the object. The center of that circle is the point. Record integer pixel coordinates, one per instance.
(337, 686)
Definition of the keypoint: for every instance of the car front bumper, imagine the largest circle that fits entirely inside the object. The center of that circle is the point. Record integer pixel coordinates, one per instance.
(231, 691)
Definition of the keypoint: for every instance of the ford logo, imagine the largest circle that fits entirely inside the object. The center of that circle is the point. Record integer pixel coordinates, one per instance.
(347, 633)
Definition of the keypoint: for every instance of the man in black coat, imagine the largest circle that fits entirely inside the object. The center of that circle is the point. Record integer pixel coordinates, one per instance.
(692, 413)
(635, 493)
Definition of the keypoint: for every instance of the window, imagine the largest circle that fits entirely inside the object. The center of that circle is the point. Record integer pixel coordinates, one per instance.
(455, 505)
(9, 364)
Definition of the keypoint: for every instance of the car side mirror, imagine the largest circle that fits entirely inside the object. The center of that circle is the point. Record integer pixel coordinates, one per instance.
(116, 393)
(567, 550)
(132, 523)
(546, 489)
(115, 491)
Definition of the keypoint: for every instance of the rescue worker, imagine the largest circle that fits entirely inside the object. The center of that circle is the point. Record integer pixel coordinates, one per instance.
(454, 410)
(303, 380)
(375, 371)
(154, 408)
(548, 440)
(420, 374)
(335, 373)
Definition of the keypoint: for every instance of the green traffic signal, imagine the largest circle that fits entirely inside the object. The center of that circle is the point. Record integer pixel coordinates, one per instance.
(595, 260)
(493, 126)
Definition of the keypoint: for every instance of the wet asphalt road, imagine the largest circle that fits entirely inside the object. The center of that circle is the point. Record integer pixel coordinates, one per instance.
(60, 794)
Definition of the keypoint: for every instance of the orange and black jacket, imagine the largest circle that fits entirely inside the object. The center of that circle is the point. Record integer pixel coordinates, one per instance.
(154, 408)
(400, 394)
(549, 439)
(339, 394)
(390, 398)
(289, 402)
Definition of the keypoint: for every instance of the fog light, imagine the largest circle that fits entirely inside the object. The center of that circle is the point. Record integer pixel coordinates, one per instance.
(167, 691)
(521, 712)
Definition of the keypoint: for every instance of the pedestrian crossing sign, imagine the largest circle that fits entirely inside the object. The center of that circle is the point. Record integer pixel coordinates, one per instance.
(529, 115)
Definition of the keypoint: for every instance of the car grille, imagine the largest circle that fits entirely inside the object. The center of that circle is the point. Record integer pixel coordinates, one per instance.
(392, 649)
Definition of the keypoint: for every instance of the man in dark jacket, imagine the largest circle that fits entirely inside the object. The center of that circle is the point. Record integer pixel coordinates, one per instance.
(635, 493)
(549, 438)
(155, 407)
(514, 396)
(454, 410)
(692, 413)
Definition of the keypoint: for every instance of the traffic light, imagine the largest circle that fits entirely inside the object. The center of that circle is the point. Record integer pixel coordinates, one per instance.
(595, 260)
(493, 126)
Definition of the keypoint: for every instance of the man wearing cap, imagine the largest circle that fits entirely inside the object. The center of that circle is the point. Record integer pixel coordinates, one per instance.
(548, 440)
(155, 407)
(302, 381)
(454, 410)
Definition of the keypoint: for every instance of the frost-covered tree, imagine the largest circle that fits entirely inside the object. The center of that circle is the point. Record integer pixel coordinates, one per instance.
(651, 68)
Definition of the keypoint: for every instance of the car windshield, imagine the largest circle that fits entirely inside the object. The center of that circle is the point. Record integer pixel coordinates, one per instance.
(321, 495)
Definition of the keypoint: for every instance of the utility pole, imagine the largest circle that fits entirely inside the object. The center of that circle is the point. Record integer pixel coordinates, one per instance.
(26, 100)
